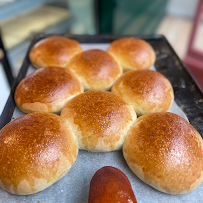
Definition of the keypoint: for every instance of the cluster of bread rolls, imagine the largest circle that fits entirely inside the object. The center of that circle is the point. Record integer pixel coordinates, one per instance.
(161, 148)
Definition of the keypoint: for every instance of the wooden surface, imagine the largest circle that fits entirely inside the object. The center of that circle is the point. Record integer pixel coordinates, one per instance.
(177, 30)
(18, 29)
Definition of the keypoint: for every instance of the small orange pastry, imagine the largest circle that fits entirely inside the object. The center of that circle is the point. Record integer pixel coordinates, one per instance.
(110, 185)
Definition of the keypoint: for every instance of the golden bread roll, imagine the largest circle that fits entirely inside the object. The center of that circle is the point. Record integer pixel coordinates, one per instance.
(100, 120)
(36, 151)
(166, 152)
(53, 51)
(147, 91)
(47, 90)
(96, 69)
(132, 53)
(110, 184)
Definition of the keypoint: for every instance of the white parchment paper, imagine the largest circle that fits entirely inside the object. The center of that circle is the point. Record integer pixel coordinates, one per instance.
(74, 187)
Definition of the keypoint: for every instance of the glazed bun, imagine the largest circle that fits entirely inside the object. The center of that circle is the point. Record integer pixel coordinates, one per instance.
(100, 120)
(166, 152)
(47, 90)
(132, 53)
(36, 150)
(53, 51)
(96, 69)
(110, 184)
(146, 90)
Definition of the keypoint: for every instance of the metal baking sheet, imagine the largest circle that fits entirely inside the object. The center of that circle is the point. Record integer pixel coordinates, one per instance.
(74, 187)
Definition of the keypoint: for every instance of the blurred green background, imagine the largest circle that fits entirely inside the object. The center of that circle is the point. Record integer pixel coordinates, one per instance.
(130, 16)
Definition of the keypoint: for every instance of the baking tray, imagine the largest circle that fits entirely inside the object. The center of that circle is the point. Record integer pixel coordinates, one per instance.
(188, 96)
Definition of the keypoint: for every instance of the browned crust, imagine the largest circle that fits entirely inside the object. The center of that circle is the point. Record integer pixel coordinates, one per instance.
(110, 184)
(166, 152)
(99, 119)
(147, 91)
(132, 53)
(47, 90)
(36, 150)
(53, 51)
(95, 68)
